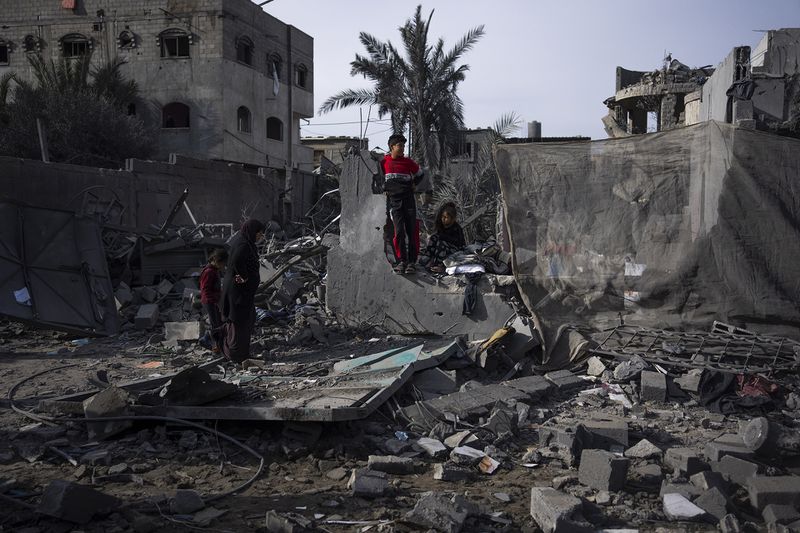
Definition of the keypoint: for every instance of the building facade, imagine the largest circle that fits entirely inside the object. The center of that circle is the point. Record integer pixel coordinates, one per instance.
(221, 79)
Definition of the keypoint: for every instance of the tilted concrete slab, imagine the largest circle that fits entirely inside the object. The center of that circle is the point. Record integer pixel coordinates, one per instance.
(362, 288)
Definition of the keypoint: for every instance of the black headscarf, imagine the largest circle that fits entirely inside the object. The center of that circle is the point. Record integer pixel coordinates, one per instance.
(251, 228)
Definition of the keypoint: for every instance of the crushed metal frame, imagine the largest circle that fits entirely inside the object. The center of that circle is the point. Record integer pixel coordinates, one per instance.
(718, 350)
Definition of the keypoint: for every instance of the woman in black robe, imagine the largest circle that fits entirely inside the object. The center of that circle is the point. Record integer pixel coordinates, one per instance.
(239, 291)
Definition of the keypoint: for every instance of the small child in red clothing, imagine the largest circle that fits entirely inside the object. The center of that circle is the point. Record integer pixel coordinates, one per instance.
(210, 295)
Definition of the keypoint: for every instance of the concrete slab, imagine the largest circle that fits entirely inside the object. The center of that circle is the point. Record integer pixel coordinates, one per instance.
(464, 403)
(362, 288)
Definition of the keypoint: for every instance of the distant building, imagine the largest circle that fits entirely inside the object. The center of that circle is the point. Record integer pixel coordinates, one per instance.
(334, 149)
(221, 79)
(758, 89)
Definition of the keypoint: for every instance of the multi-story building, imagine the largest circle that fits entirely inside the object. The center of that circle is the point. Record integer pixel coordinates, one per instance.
(221, 79)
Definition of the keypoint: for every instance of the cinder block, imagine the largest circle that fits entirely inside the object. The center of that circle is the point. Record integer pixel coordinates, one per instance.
(603, 470)
(607, 431)
(394, 465)
(146, 316)
(450, 472)
(556, 512)
(654, 386)
(109, 402)
(74, 503)
(684, 461)
(714, 502)
(778, 490)
(564, 380)
(737, 470)
(727, 444)
(368, 483)
(182, 331)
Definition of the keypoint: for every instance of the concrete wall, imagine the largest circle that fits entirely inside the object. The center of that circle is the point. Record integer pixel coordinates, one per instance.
(778, 53)
(211, 81)
(362, 288)
(218, 192)
(714, 100)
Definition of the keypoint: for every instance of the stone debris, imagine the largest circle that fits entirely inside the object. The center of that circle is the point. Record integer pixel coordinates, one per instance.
(438, 511)
(603, 470)
(556, 512)
(368, 483)
(677, 507)
(74, 503)
(644, 449)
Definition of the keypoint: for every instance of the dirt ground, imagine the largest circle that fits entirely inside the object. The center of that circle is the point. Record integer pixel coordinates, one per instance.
(146, 464)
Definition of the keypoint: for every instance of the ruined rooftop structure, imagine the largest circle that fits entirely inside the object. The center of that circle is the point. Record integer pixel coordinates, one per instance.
(754, 89)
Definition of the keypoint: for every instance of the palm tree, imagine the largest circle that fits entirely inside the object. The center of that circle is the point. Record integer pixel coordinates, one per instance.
(418, 88)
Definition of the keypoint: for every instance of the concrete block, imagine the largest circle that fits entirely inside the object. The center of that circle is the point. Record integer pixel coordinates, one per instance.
(564, 380)
(727, 444)
(74, 503)
(367, 483)
(736, 470)
(644, 449)
(534, 386)
(653, 386)
(603, 470)
(684, 461)
(778, 490)
(164, 287)
(466, 456)
(649, 474)
(690, 382)
(714, 502)
(684, 489)
(109, 402)
(460, 438)
(556, 512)
(394, 465)
(450, 472)
(182, 331)
(707, 480)
(501, 421)
(186, 501)
(432, 447)
(146, 316)
(147, 294)
(123, 294)
(608, 431)
(678, 508)
(396, 446)
(439, 512)
(780, 514)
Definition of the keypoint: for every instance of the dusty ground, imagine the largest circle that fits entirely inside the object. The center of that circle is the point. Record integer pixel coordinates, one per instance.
(146, 464)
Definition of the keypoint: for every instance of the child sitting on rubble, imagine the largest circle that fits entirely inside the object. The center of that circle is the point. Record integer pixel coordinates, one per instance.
(447, 238)
(210, 294)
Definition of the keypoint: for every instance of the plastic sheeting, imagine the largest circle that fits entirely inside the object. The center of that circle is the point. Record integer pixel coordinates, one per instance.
(676, 228)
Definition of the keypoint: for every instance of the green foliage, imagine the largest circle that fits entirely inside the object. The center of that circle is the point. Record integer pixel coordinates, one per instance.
(83, 111)
(418, 88)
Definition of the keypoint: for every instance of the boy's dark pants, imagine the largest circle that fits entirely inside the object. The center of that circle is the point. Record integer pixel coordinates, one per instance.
(403, 211)
(215, 319)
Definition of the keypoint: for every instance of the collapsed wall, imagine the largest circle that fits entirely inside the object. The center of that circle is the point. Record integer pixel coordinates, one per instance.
(678, 228)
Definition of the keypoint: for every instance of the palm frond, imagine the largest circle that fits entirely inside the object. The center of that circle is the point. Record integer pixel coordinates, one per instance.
(347, 98)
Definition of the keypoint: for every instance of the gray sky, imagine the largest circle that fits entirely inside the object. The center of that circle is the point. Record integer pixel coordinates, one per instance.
(551, 61)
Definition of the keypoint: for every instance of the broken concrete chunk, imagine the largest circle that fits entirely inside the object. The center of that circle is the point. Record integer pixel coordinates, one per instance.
(684, 461)
(435, 381)
(432, 447)
(677, 508)
(110, 402)
(654, 386)
(649, 474)
(396, 446)
(148, 294)
(437, 511)
(564, 380)
(737, 470)
(707, 479)
(394, 465)
(450, 472)
(596, 366)
(630, 369)
(644, 449)
(556, 512)
(123, 294)
(146, 316)
(780, 514)
(466, 456)
(727, 444)
(192, 386)
(713, 502)
(182, 331)
(603, 470)
(690, 382)
(779, 490)
(186, 502)
(684, 489)
(607, 431)
(368, 483)
(534, 386)
(164, 287)
(74, 503)
(457, 439)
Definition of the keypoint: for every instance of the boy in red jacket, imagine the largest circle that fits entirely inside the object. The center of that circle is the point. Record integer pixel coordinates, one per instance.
(210, 294)
(402, 174)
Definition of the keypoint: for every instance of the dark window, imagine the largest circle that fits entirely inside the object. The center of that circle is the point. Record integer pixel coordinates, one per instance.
(32, 44)
(175, 115)
(243, 119)
(301, 76)
(132, 110)
(126, 39)
(174, 46)
(244, 50)
(75, 45)
(4, 54)
(274, 129)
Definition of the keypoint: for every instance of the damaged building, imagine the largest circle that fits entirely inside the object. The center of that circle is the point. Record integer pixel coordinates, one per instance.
(756, 88)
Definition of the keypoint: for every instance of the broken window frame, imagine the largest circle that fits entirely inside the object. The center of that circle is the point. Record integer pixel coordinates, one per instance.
(126, 40)
(175, 44)
(244, 120)
(245, 50)
(32, 44)
(172, 107)
(274, 124)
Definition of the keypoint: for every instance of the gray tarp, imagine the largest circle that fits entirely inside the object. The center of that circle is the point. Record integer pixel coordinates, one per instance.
(53, 270)
(675, 228)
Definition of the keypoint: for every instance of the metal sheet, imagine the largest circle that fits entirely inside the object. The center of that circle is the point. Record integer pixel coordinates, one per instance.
(59, 260)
